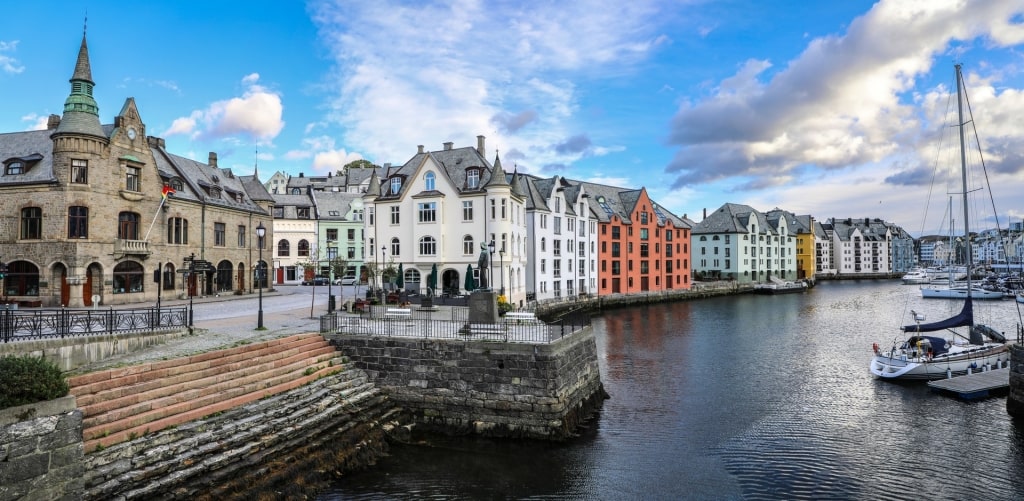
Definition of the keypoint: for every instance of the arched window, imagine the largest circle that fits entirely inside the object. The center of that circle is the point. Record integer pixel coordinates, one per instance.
(283, 248)
(128, 226)
(428, 246)
(428, 181)
(168, 278)
(303, 248)
(22, 279)
(395, 248)
(128, 277)
(412, 276)
(467, 245)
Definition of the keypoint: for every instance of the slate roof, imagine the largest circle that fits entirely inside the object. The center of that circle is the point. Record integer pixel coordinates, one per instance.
(338, 201)
(198, 177)
(452, 163)
(31, 144)
(289, 203)
(734, 218)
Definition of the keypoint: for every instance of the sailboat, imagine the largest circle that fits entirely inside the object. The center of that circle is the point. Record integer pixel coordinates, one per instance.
(926, 356)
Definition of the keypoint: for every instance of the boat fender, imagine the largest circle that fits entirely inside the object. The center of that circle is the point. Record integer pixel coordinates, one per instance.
(874, 347)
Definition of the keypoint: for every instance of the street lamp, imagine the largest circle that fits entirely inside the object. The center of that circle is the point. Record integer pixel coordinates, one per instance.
(501, 269)
(490, 271)
(383, 261)
(260, 232)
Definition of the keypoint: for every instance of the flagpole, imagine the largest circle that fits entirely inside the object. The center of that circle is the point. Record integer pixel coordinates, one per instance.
(162, 200)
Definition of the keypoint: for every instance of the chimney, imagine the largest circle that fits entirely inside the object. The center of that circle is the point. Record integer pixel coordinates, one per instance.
(448, 146)
(52, 122)
(480, 142)
(302, 175)
(213, 159)
(705, 212)
(419, 148)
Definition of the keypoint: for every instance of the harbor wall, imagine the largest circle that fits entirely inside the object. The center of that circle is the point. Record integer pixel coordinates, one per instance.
(496, 389)
(41, 451)
(1015, 399)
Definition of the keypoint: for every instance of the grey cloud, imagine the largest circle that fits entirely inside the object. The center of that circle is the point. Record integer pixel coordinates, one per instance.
(512, 123)
(576, 144)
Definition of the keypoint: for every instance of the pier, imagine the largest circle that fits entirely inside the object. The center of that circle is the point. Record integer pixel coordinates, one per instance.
(973, 386)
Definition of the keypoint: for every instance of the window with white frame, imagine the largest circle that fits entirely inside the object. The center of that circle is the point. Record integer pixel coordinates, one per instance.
(427, 212)
(467, 210)
(428, 181)
(428, 246)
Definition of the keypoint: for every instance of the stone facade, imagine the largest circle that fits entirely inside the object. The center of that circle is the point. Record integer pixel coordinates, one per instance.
(41, 451)
(83, 217)
(492, 389)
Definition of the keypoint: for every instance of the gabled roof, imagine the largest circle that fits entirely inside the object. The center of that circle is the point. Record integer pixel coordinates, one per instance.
(452, 162)
(338, 202)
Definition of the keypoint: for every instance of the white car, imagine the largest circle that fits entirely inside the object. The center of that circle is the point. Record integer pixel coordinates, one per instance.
(346, 280)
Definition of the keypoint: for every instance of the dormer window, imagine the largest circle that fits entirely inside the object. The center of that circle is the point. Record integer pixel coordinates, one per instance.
(472, 178)
(15, 167)
(396, 185)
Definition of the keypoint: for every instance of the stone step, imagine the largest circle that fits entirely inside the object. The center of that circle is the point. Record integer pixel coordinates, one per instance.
(133, 401)
(257, 393)
(118, 380)
(159, 398)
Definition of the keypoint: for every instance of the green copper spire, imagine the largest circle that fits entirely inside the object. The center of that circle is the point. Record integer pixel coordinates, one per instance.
(81, 113)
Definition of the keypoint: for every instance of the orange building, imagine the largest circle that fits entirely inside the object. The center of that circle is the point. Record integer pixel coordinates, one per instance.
(641, 245)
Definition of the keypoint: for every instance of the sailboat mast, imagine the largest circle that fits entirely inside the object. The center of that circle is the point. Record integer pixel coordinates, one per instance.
(963, 176)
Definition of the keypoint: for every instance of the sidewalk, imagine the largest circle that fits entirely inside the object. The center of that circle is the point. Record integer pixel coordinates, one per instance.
(210, 335)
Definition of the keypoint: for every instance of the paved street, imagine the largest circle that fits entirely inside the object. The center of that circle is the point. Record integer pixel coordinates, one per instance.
(222, 321)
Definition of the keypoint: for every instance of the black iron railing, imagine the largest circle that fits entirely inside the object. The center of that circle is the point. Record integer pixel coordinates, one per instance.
(16, 325)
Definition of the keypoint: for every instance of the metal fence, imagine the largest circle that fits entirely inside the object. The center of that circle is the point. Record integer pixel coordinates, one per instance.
(451, 323)
(17, 325)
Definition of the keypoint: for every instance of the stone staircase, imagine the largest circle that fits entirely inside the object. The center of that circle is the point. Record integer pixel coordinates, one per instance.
(125, 403)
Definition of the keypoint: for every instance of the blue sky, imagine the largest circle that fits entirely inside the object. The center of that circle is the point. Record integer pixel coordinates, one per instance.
(835, 109)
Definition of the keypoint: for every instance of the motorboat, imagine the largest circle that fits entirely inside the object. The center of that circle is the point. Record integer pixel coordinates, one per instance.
(959, 291)
(917, 276)
(780, 287)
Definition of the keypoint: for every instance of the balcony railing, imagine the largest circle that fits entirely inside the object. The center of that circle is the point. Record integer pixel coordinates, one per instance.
(124, 248)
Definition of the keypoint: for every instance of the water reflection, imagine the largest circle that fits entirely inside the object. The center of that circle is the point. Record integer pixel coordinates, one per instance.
(749, 397)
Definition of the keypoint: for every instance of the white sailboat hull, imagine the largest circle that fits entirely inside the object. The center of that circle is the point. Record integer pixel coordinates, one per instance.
(959, 293)
(898, 365)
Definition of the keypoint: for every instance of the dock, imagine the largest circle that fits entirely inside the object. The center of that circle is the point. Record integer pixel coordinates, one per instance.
(973, 386)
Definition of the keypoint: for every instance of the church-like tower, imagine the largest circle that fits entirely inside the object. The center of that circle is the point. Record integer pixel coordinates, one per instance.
(79, 137)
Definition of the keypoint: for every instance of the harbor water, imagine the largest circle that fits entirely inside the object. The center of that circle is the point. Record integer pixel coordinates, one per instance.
(742, 397)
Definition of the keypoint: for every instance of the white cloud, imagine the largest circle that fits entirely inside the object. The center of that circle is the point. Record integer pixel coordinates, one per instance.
(843, 102)
(333, 160)
(504, 70)
(9, 63)
(257, 114)
(37, 122)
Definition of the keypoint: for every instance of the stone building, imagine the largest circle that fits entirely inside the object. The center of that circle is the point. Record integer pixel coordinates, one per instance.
(93, 213)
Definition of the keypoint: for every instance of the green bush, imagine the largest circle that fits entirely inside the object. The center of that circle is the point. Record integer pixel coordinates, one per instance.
(27, 380)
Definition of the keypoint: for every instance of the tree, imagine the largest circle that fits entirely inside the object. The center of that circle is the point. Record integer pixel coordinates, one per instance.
(357, 164)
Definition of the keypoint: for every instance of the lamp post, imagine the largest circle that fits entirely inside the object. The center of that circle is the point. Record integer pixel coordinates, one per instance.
(383, 261)
(490, 271)
(260, 232)
(501, 270)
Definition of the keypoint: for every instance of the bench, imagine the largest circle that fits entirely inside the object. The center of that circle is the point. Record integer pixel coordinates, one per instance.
(398, 313)
(521, 315)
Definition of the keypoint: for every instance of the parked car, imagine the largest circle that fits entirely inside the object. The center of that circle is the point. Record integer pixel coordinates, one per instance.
(345, 280)
(316, 281)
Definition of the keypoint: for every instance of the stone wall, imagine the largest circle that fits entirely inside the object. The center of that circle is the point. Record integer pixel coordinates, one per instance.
(72, 352)
(41, 451)
(487, 388)
(283, 446)
(1015, 400)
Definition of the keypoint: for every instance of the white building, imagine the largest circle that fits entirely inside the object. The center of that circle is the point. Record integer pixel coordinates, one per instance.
(437, 210)
(739, 243)
(295, 234)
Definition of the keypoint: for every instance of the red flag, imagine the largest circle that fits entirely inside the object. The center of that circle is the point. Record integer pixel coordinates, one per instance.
(167, 191)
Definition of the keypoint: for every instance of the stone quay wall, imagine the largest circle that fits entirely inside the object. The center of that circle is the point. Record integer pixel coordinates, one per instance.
(1015, 400)
(280, 446)
(70, 353)
(41, 451)
(488, 388)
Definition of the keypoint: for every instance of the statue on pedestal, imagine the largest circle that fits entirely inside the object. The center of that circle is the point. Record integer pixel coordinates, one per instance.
(483, 265)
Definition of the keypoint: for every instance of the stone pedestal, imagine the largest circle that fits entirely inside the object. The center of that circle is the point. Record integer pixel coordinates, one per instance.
(483, 307)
